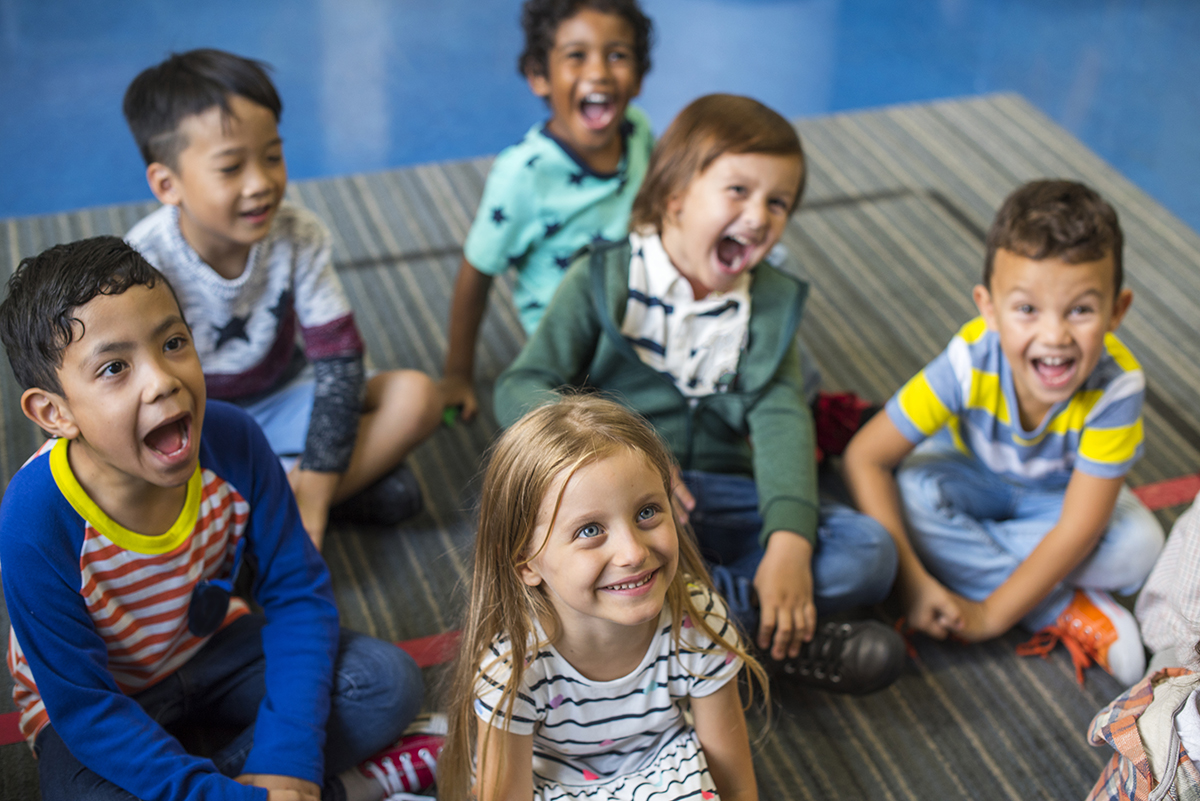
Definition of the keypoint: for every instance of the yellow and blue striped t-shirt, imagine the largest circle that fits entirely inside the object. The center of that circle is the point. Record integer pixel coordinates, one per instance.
(968, 389)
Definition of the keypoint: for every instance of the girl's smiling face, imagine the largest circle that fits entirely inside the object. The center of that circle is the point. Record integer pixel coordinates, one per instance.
(729, 216)
(606, 558)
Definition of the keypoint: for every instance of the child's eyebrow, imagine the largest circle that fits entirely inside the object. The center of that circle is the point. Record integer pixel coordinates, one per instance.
(167, 324)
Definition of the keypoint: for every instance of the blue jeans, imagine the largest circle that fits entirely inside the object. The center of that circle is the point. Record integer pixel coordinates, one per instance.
(972, 528)
(377, 691)
(854, 563)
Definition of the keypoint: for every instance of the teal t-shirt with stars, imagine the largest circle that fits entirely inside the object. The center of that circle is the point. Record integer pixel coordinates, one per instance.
(542, 204)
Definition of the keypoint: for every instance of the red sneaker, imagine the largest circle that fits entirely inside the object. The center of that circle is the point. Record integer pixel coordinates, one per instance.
(1094, 628)
(407, 766)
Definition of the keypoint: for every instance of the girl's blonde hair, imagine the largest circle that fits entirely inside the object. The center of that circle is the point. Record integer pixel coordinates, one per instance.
(706, 129)
(565, 435)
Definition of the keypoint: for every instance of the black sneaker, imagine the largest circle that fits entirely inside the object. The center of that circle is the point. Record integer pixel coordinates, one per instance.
(856, 658)
(391, 499)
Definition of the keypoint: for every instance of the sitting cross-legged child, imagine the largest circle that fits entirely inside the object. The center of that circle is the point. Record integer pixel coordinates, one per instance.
(1013, 508)
(252, 272)
(121, 540)
(571, 180)
(685, 324)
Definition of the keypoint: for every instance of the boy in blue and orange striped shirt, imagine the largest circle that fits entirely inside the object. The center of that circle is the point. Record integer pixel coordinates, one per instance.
(1014, 507)
(120, 542)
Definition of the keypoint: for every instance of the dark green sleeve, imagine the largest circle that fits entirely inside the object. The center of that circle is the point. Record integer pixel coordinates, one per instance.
(785, 461)
(557, 354)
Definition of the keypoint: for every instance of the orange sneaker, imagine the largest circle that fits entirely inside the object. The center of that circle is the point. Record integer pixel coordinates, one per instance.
(1094, 628)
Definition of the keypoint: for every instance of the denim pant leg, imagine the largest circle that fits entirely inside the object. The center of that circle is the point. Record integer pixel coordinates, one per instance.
(377, 691)
(209, 688)
(854, 563)
(972, 529)
(63, 778)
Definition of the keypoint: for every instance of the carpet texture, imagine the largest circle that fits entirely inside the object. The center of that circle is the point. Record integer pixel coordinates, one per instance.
(891, 238)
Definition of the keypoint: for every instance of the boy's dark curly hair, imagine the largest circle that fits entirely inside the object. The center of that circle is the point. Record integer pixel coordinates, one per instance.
(540, 20)
(191, 83)
(37, 319)
(1056, 219)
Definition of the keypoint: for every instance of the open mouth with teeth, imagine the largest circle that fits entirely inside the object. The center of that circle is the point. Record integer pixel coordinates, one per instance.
(633, 585)
(733, 253)
(598, 110)
(1054, 371)
(171, 439)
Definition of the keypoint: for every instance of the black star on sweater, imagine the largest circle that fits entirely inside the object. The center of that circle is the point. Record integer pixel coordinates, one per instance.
(283, 306)
(576, 178)
(234, 329)
(563, 262)
(552, 228)
(498, 216)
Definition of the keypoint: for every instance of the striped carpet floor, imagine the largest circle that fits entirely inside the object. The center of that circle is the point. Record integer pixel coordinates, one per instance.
(890, 236)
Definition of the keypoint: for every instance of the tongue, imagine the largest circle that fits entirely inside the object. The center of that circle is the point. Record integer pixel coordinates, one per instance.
(166, 439)
(729, 251)
(594, 112)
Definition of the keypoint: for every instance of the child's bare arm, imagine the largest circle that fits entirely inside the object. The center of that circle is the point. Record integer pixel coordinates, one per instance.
(1087, 507)
(506, 765)
(721, 729)
(466, 314)
(869, 462)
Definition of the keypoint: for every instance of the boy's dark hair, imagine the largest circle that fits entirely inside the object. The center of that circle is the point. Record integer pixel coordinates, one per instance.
(37, 319)
(706, 129)
(540, 20)
(190, 83)
(1056, 220)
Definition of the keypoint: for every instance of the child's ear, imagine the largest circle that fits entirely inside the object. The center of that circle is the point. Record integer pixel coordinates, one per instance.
(539, 84)
(163, 183)
(1120, 306)
(529, 574)
(50, 412)
(983, 302)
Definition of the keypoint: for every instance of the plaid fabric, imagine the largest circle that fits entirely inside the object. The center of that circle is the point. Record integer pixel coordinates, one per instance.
(1128, 777)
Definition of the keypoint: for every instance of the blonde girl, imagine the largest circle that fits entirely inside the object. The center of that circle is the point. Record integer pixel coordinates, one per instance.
(593, 626)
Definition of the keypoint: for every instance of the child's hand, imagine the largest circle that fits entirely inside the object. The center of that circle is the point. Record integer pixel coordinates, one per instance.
(976, 623)
(314, 494)
(282, 788)
(931, 608)
(685, 502)
(458, 391)
(787, 614)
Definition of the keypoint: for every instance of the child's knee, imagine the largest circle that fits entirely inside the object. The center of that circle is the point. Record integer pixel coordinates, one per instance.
(410, 393)
(374, 672)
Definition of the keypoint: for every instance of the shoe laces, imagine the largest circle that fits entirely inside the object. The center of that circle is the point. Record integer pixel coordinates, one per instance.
(821, 657)
(1083, 649)
(397, 773)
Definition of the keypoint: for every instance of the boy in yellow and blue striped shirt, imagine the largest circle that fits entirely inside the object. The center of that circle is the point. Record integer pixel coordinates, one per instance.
(1014, 506)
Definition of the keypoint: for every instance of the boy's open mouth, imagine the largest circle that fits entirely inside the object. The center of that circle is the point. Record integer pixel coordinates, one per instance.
(170, 439)
(597, 109)
(733, 253)
(1054, 370)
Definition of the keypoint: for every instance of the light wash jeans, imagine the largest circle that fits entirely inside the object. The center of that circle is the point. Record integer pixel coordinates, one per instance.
(972, 528)
(854, 563)
(377, 691)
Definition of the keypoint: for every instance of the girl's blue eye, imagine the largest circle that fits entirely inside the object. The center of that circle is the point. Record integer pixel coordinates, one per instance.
(588, 531)
(647, 513)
